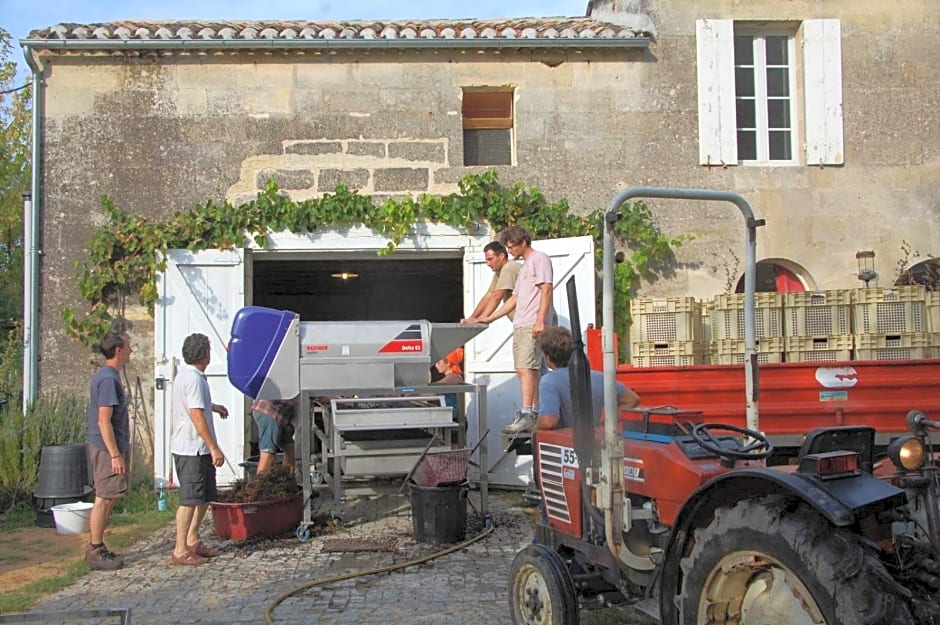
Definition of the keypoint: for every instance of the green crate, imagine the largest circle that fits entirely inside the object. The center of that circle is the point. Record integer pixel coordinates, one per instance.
(727, 316)
(731, 351)
(819, 348)
(820, 313)
(666, 320)
(897, 310)
(674, 354)
(909, 346)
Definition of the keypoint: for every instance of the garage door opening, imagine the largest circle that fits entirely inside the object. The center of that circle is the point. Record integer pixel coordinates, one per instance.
(359, 289)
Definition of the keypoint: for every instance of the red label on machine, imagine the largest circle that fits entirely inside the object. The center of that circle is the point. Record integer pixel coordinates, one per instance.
(398, 347)
(408, 342)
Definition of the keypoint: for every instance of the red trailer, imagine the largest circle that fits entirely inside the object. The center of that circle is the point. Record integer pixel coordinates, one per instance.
(795, 397)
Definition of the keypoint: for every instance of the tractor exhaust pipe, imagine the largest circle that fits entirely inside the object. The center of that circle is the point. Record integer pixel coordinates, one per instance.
(579, 380)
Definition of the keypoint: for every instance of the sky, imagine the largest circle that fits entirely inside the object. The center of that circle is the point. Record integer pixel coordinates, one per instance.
(19, 17)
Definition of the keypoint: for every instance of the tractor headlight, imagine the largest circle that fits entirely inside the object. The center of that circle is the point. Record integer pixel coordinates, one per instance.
(907, 453)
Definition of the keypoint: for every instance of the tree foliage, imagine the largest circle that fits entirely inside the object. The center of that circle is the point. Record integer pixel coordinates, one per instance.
(15, 125)
(124, 252)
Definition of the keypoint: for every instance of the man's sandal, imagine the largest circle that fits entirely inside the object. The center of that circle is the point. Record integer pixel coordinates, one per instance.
(202, 549)
(190, 559)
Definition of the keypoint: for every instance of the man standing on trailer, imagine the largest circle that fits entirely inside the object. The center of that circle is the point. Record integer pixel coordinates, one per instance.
(505, 273)
(531, 301)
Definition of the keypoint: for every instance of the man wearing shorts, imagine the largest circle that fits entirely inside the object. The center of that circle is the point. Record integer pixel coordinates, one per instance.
(274, 419)
(108, 444)
(196, 453)
(532, 302)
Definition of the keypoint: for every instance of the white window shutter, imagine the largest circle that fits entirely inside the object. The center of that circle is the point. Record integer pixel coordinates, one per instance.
(717, 127)
(822, 73)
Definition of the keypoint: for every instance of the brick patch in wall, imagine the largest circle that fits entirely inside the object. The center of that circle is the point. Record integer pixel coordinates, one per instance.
(366, 148)
(417, 151)
(286, 178)
(352, 178)
(400, 179)
(314, 147)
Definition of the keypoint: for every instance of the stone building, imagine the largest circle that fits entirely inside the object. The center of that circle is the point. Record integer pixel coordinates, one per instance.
(821, 113)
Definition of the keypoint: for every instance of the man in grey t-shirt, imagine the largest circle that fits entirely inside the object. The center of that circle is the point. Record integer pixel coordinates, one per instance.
(108, 444)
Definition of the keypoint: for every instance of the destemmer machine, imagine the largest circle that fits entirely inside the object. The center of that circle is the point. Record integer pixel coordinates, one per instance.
(358, 382)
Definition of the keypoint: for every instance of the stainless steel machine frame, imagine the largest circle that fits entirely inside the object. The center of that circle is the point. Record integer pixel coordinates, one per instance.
(307, 430)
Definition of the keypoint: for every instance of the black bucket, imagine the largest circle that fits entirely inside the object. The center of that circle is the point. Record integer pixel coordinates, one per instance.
(63, 472)
(439, 513)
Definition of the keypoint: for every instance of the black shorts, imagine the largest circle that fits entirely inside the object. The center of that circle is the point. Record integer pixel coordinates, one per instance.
(197, 479)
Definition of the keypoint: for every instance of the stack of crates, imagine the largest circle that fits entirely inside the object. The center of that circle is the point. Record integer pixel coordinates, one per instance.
(666, 332)
(727, 328)
(819, 326)
(893, 324)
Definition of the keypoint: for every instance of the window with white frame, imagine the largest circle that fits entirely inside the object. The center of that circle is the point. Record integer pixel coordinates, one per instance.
(748, 93)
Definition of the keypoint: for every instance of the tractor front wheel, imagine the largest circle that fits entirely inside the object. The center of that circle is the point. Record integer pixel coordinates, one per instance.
(775, 560)
(540, 589)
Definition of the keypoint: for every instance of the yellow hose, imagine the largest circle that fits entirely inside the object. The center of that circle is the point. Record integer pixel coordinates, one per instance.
(385, 569)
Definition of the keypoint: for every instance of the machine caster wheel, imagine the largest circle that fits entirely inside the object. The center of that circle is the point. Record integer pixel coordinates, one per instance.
(302, 533)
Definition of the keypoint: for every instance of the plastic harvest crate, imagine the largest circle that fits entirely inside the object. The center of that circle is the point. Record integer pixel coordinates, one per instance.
(731, 351)
(816, 349)
(823, 313)
(898, 310)
(911, 346)
(727, 316)
(666, 320)
(933, 311)
(676, 354)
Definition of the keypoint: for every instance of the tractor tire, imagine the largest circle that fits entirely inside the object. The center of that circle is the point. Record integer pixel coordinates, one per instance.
(540, 589)
(774, 560)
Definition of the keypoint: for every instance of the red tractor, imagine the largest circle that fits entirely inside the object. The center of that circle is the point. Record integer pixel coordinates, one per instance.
(685, 518)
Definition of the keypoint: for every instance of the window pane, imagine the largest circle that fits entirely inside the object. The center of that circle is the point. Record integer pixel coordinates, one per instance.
(779, 145)
(778, 114)
(487, 147)
(778, 82)
(747, 145)
(744, 82)
(776, 50)
(743, 50)
(747, 114)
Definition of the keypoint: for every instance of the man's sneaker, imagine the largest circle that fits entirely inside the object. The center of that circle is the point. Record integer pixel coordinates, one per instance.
(515, 421)
(524, 423)
(102, 559)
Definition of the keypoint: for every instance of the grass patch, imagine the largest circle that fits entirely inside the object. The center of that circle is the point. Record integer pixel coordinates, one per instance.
(134, 518)
(22, 515)
(26, 596)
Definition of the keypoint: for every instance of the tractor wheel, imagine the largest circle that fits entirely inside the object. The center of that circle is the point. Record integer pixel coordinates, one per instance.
(774, 560)
(540, 589)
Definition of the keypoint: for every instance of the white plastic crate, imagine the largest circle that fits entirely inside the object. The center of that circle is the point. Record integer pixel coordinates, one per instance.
(910, 346)
(897, 310)
(666, 320)
(731, 351)
(675, 354)
(727, 316)
(932, 305)
(820, 313)
(818, 348)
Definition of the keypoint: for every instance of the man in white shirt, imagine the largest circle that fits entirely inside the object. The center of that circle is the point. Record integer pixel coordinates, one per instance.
(196, 452)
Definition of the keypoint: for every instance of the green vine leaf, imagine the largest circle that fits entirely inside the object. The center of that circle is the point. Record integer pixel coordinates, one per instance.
(125, 254)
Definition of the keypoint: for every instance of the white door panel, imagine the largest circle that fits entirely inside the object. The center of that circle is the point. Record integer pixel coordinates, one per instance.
(488, 357)
(199, 292)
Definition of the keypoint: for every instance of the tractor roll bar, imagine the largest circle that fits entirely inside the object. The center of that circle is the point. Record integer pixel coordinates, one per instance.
(750, 277)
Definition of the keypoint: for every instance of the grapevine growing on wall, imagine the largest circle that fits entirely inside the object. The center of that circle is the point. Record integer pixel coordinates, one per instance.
(124, 254)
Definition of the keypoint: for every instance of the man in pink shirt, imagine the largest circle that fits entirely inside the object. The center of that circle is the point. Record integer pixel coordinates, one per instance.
(531, 300)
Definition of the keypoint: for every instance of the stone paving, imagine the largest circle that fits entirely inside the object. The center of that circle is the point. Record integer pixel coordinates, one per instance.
(468, 586)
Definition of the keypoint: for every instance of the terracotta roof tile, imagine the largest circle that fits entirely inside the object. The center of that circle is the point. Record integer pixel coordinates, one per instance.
(526, 28)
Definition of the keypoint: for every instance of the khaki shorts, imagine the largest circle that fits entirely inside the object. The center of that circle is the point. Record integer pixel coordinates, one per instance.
(107, 483)
(525, 352)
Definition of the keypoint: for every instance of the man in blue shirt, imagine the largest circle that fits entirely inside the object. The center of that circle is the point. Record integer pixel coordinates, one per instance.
(555, 410)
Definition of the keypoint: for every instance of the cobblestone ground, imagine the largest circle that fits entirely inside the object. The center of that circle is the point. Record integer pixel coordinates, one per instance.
(468, 586)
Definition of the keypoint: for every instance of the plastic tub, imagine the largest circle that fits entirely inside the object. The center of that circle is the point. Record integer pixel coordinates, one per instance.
(72, 518)
(439, 513)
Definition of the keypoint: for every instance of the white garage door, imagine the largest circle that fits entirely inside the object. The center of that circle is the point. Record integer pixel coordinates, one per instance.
(199, 292)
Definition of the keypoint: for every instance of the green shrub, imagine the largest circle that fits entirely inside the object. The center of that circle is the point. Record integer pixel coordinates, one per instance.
(54, 419)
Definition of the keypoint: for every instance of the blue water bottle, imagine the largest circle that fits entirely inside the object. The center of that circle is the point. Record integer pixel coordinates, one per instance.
(161, 499)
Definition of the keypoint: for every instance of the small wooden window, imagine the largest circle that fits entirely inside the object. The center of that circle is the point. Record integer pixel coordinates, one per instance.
(487, 127)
